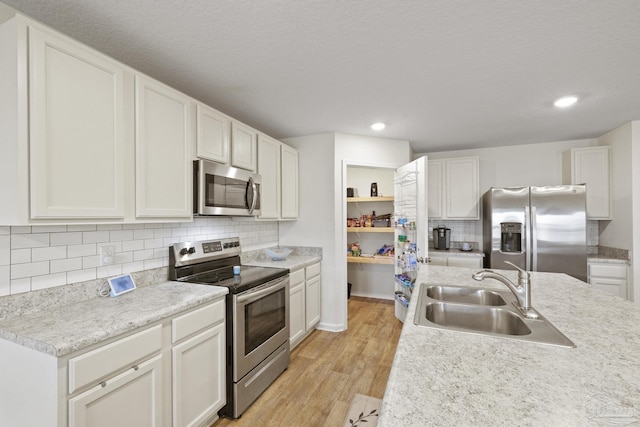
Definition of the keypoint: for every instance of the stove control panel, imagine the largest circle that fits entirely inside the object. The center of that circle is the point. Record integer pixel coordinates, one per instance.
(187, 253)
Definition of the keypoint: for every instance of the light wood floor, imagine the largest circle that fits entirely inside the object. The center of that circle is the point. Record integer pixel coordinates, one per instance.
(328, 369)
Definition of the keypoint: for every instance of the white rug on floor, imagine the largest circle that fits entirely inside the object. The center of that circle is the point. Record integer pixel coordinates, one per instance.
(364, 411)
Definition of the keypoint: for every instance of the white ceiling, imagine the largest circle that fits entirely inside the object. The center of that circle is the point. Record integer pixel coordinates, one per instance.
(442, 74)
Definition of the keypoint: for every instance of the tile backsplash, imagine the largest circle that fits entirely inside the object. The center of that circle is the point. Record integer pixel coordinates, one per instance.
(39, 257)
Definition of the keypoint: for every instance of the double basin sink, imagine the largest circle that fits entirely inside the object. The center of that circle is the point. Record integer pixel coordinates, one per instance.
(482, 311)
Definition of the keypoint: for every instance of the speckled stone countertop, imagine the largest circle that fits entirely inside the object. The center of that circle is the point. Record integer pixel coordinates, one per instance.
(300, 257)
(456, 252)
(60, 330)
(442, 377)
(606, 259)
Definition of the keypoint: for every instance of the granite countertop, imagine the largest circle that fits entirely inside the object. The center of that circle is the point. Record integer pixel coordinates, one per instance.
(60, 330)
(293, 262)
(606, 259)
(442, 377)
(456, 252)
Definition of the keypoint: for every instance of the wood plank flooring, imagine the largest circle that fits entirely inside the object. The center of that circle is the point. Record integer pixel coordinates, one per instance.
(328, 369)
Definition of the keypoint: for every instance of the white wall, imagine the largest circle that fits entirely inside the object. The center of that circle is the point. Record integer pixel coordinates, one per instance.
(322, 220)
(634, 291)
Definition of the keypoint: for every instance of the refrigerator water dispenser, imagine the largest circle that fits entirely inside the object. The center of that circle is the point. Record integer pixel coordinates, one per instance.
(511, 237)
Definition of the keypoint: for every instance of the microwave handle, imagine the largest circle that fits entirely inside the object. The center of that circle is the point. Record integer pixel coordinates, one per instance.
(255, 195)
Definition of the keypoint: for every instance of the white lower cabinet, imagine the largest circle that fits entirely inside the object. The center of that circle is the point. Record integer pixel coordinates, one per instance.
(297, 303)
(608, 277)
(199, 366)
(170, 373)
(131, 398)
(456, 261)
(305, 302)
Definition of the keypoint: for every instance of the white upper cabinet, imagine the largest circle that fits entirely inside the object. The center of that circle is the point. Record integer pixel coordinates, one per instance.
(289, 209)
(590, 166)
(164, 137)
(213, 134)
(269, 169)
(243, 146)
(62, 128)
(454, 190)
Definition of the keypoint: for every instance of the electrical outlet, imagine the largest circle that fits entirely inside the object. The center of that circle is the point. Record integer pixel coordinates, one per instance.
(107, 254)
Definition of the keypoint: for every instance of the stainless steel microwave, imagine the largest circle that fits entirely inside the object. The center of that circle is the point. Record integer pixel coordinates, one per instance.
(224, 190)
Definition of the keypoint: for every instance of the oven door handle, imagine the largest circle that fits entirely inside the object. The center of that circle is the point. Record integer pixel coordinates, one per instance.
(259, 293)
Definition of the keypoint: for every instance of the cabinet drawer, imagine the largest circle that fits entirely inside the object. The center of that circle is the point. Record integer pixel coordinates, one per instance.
(197, 320)
(613, 271)
(313, 270)
(296, 277)
(100, 362)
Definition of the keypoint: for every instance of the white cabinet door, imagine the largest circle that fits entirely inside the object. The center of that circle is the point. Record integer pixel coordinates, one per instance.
(133, 398)
(462, 190)
(435, 189)
(289, 182)
(212, 135)
(243, 146)
(269, 170)
(199, 377)
(297, 322)
(77, 146)
(590, 165)
(313, 301)
(164, 137)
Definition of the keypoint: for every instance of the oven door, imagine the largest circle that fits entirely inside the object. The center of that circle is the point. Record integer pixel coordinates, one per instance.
(224, 190)
(260, 324)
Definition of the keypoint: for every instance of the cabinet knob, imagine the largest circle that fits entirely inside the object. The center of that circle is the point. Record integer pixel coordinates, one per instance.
(135, 367)
(103, 384)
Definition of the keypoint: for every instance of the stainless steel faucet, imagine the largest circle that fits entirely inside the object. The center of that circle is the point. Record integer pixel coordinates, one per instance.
(522, 290)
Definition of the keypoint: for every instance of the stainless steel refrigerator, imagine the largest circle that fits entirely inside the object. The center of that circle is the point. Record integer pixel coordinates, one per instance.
(537, 228)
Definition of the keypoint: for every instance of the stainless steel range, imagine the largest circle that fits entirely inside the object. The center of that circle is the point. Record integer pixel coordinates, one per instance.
(257, 315)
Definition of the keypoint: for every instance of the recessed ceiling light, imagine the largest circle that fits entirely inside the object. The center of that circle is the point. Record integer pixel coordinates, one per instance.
(565, 101)
(378, 126)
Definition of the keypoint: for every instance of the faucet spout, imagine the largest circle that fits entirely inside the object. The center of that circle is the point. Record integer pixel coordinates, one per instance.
(522, 290)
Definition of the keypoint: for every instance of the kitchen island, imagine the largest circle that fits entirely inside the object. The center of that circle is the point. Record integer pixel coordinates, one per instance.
(445, 377)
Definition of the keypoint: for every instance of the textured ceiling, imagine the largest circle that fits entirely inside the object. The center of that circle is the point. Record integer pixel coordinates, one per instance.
(442, 74)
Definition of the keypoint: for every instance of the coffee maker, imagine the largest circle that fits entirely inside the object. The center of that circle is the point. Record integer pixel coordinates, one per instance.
(441, 237)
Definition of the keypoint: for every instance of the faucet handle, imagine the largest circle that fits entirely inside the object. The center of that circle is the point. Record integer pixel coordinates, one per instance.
(520, 270)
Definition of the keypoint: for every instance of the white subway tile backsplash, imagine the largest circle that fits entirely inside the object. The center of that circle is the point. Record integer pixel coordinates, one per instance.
(67, 238)
(46, 254)
(48, 281)
(121, 235)
(63, 265)
(48, 228)
(74, 251)
(82, 227)
(95, 236)
(146, 233)
(5, 280)
(35, 240)
(5, 250)
(20, 286)
(39, 257)
(132, 245)
(29, 269)
(81, 275)
(20, 256)
(90, 261)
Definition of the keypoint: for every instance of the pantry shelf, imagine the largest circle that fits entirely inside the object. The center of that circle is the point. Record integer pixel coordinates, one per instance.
(370, 199)
(370, 229)
(370, 260)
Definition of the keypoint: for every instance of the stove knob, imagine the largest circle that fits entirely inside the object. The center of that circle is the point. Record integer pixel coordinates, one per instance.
(192, 250)
(184, 251)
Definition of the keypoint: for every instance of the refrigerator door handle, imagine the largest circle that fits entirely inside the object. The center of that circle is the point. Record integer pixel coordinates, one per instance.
(534, 240)
(527, 239)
